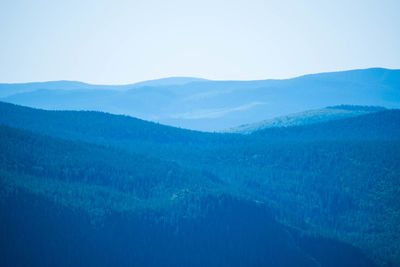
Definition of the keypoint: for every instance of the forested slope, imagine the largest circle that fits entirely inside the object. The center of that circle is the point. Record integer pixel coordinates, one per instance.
(306, 118)
(336, 180)
(69, 203)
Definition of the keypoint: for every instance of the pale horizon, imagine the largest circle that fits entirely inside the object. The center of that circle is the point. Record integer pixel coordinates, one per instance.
(196, 77)
(124, 42)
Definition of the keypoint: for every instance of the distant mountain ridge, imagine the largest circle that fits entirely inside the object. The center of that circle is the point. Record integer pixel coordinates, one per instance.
(216, 105)
(169, 81)
(8, 89)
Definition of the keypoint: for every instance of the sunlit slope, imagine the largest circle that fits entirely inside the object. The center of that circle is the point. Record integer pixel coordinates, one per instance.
(306, 117)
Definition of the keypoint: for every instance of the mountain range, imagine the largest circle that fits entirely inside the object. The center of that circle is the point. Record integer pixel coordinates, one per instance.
(207, 105)
(185, 171)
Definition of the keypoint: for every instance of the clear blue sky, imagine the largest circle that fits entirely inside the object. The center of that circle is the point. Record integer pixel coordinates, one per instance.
(114, 42)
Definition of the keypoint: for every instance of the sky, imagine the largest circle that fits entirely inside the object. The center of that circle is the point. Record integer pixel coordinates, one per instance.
(119, 42)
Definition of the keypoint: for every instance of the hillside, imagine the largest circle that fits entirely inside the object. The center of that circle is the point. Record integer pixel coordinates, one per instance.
(382, 125)
(103, 128)
(336, 180)
(218, 105)
(306, 117)
(65, 188)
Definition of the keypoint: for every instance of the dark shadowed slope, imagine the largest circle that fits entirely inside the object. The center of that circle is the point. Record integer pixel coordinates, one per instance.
(69, 203)
(90, 124)
(218, 105)
(337, 179)
(104, 128)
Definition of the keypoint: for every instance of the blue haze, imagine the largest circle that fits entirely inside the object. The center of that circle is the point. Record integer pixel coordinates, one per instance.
(120, 42)
(214, 105)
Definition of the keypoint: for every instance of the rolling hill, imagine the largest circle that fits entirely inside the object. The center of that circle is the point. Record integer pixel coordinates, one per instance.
(330, 185)
(215, 105)
(8, 89)
(306, 117)
(72, 203)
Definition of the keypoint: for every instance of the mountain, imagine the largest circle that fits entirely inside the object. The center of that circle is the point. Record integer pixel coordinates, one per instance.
(381, 125)
(324, 193)
(75, 195)
(103, 128)
(169, 81)
(8, 89)
(218, 105)
(306, 117)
